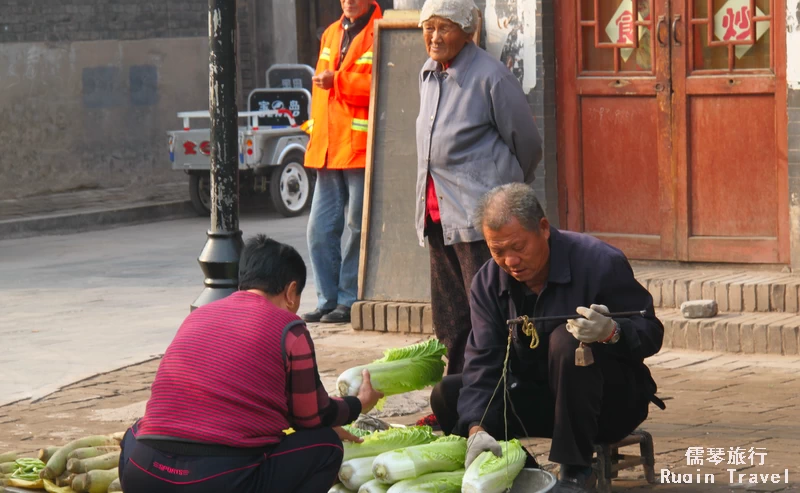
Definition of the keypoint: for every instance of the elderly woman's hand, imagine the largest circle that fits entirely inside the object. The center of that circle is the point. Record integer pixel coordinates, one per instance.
(323, 80)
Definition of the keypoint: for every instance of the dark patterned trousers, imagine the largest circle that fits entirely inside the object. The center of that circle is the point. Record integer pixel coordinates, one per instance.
(452, 270)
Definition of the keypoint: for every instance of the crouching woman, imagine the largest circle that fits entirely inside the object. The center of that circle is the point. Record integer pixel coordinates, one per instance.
(238, 375)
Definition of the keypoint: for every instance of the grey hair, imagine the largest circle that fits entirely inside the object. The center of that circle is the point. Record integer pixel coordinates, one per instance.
(506, 202)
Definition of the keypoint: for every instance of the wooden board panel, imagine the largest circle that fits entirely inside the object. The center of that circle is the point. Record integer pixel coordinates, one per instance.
(620, 166)
(732, 166)
(393, 267)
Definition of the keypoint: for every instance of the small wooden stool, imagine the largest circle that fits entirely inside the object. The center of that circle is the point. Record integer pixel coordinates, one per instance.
(608, 461)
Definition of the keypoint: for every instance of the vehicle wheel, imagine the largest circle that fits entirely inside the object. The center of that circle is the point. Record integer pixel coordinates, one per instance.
(291, 186)
(200, 193)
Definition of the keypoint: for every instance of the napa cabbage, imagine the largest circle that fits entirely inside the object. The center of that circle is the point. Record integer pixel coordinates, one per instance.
(443, 455)
(400, 370)
(491, 474)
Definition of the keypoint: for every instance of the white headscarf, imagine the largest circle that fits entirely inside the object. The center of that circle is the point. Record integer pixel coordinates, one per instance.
(462, 12)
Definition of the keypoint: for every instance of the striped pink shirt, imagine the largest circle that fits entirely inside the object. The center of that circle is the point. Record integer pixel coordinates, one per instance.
(239, 372)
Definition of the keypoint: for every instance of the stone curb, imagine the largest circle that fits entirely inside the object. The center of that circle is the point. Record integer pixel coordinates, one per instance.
(734, 291)
(92, 220)
(383, 316)
(48, 390)
(776, 333)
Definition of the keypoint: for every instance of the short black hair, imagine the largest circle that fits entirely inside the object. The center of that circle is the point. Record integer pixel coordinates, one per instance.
(270, 266)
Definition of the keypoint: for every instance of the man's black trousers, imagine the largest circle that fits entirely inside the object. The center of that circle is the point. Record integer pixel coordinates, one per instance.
(575, 406)
(305, 461)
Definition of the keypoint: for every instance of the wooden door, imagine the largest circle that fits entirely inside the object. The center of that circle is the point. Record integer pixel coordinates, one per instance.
(615, 175)
(729, 132)
(672, 144)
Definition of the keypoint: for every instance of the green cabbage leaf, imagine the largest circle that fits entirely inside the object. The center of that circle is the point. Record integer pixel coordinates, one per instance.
(491, 474)
(359, 432)
(383, 441)
(437, 482)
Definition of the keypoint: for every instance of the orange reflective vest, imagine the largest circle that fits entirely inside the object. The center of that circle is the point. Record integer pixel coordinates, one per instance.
(339, 116)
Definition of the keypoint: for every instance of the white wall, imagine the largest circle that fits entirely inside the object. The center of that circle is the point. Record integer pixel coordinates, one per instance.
(793, 43)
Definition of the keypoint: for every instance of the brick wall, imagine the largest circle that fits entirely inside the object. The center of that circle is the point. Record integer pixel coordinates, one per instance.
(793, 110)
(246, 50)
(92, 86)
(793, 106)
(536, 99)
(543, 99)
(547, 58)
(93, 20)
(24, 21)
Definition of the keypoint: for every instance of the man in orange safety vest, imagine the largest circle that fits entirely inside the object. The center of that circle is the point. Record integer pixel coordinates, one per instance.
(337, 149)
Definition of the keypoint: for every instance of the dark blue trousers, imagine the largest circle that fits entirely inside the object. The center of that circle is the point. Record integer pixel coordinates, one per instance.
(305, 461)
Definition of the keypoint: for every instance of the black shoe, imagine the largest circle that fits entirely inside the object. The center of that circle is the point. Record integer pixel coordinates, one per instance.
(315, 316)
(341, 315)
(573, 479)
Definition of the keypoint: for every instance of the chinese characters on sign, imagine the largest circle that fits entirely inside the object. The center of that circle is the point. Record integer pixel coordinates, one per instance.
(295, 83)
(734, 22)
(754, 456)
(294, 106)
(205, 147)
(621, 27)
(625, 27)
(190, 148)
(738, 459)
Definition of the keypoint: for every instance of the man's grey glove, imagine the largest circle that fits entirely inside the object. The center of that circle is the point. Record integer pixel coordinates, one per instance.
(481, 442)
(595, 327)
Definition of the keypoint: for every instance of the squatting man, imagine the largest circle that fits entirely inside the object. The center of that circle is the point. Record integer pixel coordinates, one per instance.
(537, 270)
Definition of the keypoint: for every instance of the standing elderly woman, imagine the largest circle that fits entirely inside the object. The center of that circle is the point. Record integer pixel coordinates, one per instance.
(475, 131)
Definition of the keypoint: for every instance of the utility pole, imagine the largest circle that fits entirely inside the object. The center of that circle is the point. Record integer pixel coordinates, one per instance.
(219, 259)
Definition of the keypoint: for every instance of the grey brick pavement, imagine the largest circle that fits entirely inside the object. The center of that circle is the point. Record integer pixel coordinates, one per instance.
(713, 401)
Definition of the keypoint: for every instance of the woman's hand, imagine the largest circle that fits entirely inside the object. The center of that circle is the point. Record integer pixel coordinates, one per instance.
(346, 436)
(366, 394)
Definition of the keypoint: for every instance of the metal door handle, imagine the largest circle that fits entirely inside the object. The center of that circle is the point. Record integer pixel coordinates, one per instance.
(662, 22)
(675, 21)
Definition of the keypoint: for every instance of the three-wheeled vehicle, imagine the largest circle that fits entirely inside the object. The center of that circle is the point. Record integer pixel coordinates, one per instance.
(272, 144)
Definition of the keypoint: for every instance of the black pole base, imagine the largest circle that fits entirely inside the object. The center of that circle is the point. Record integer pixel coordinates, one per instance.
(219, 262)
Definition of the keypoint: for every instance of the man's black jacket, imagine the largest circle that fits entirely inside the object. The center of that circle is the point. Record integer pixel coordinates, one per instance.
(583, 270)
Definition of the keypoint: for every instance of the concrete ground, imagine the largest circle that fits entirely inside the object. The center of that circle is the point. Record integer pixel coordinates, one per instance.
(78, 305)
(76, 308)
(713, 401)
(92, 200)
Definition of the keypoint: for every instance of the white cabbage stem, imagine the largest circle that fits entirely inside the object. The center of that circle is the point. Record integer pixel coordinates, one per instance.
(349, 382)
(373, 486)
(391, 467)
(355, 472)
